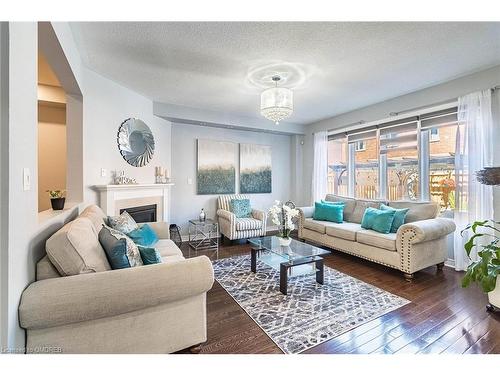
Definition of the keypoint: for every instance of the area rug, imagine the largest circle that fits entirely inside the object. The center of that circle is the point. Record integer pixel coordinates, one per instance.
(311, 313)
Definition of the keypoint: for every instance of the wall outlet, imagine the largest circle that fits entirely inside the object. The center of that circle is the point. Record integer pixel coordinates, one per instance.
(190, 181)
(103, 172)
(26, 179)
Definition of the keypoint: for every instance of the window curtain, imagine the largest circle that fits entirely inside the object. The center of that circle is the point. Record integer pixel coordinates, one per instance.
(320, 167)
(474, 151)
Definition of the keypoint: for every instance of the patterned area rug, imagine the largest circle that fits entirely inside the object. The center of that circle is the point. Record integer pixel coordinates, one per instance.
(311, 313)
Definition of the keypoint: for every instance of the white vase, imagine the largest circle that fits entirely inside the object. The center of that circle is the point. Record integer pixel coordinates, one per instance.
(285, 241)
(494, 295)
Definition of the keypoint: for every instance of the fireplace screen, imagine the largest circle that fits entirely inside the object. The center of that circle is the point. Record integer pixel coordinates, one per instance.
(142, 214)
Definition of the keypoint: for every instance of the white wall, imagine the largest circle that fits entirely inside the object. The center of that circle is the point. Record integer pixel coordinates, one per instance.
(4, 178)
(23, 150)
(106, 106)
(186, 204)
(436, 94)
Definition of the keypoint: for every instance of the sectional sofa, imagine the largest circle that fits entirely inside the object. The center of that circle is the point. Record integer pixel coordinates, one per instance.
(419, 243)
(79, 305)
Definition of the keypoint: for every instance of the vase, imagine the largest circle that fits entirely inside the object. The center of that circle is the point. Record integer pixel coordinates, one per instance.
(57, 203)
(494, 295)
(285, 241)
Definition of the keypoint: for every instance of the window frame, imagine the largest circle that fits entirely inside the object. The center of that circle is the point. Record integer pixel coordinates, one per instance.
(426, 120)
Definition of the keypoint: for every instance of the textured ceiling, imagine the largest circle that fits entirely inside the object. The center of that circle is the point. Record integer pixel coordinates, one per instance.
(332, 67)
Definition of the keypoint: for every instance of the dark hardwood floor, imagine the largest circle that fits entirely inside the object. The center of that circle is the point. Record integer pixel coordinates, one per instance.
(441, 318)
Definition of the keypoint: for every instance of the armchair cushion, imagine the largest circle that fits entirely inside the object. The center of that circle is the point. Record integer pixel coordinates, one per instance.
(241, 207)
(248, 224)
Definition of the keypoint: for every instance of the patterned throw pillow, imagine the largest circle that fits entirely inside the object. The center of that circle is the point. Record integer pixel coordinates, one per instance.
(133, 254)
(241, 207)
(123, 223)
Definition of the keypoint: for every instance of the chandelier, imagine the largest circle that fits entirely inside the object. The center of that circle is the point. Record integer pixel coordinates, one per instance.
(276, 103)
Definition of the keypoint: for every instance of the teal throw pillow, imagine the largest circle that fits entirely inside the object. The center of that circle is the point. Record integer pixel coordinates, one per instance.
(144, 236)
(329, 212)
(150, 255)
(378, 220)
(114, 248)
(240, 207)
(399, 217)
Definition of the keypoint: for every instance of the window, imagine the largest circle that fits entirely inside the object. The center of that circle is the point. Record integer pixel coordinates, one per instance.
(406, 159)
(365, 164)
(399, 158)
(337, 165)
(442, 127)
(434, 135)
(360, 146)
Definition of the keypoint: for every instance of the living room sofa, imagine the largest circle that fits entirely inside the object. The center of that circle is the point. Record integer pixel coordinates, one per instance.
(79, 305)
(419, 243)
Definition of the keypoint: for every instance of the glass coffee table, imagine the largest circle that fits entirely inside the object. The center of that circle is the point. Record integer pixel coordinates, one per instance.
(296, 259)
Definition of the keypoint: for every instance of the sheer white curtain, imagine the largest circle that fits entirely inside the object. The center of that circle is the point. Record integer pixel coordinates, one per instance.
(320, 167)
(474, 151)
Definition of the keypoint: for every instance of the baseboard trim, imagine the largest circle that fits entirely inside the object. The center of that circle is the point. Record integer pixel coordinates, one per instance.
(450, 263)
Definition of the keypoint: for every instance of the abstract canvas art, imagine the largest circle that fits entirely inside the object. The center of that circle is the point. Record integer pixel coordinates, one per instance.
(216, 167)
(255, 169)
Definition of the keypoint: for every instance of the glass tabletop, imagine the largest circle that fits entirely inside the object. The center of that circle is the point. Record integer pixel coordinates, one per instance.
(204, 222)
(295, 251)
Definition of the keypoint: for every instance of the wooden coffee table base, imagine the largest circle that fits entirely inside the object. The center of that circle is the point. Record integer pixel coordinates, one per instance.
(286, 266)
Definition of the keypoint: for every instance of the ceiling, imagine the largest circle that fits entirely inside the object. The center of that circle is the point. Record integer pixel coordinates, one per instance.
(332, 67)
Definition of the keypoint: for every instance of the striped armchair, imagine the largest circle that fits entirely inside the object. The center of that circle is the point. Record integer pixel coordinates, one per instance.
(235, 228)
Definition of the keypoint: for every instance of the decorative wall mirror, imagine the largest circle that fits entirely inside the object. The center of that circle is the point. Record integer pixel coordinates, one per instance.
(136, 142)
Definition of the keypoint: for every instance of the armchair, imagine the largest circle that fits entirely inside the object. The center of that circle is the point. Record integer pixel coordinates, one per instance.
(235, 228)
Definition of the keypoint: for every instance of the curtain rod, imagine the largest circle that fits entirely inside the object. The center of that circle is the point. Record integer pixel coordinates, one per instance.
(393, 114)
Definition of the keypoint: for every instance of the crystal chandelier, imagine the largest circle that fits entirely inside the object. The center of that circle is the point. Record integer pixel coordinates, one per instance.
(276, 103)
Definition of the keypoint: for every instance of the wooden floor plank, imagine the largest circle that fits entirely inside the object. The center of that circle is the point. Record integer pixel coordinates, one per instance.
(442, 316)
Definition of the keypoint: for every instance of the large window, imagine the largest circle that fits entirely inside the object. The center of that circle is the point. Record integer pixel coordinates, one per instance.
(399, 152)
(407, 159)
(337, 165)
(366, 179)
(442, 128)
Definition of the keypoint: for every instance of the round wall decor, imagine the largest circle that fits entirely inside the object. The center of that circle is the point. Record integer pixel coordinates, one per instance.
(136, 142)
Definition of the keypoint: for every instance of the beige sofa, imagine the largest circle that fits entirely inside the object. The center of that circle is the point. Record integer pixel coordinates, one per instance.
(79, 305)
(419, 243)
(235, 228)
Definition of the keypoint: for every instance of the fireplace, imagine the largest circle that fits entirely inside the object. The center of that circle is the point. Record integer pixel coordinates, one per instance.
(142, 214)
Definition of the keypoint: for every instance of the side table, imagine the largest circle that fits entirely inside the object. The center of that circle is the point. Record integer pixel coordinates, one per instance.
(203, 235)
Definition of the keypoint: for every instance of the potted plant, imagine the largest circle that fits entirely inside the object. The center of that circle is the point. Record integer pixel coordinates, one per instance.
(282, 214)
(57, 199)
(486, 269)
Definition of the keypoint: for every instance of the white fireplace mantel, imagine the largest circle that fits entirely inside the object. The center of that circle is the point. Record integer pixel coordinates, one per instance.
(110, 195)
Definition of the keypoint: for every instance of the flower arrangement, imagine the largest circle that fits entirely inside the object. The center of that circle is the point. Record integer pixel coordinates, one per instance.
(282, 214)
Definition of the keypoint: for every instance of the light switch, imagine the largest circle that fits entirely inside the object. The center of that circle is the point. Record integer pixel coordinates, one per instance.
(190, 181)
(103, 172)
(26, 179)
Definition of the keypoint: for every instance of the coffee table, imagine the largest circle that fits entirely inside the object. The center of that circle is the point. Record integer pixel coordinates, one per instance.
(285, 258)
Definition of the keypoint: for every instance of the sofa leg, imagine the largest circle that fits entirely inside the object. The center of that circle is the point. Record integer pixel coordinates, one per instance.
(408, 276)
(440, 266)
(195, 349)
